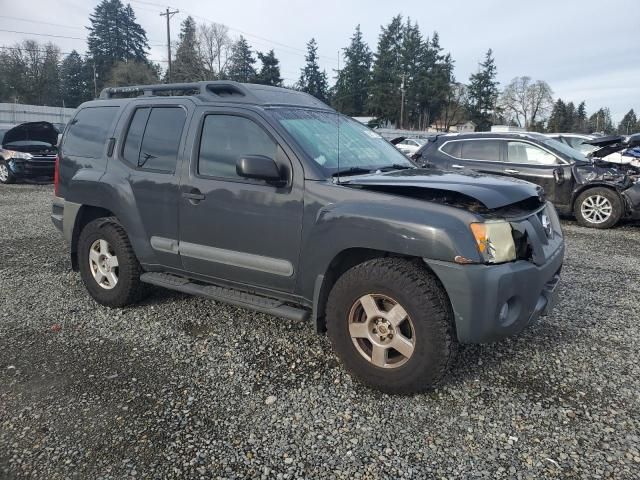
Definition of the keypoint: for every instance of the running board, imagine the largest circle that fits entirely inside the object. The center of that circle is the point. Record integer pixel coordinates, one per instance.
(270, 306)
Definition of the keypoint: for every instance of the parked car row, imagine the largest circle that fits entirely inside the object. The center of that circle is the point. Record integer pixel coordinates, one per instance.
(598, 193)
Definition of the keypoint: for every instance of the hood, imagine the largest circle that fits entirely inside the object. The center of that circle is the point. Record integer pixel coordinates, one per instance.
(491, 191)
(32, 131)
(613, 143)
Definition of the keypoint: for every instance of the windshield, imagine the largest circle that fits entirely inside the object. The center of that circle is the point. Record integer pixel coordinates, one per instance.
(316, 132)
(567, 152)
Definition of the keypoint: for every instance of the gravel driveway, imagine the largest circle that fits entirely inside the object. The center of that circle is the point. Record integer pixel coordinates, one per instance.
(186, 387)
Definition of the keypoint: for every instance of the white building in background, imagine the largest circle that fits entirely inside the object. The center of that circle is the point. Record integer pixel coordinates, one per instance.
(506, 128)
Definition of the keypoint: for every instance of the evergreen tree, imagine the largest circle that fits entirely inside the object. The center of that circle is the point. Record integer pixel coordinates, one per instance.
(74, 87)
(580, 124)
(569, 117)
(628, 124)
(48, 84)
(270, 71)
(114, 35)
(483, 93)
(437, 80)
(312, 80)
(385, 95)
(600, 122)
(352, 85)
(412, 68)
(241, 63)
(557, 119)
(188, 65)
(132, 73)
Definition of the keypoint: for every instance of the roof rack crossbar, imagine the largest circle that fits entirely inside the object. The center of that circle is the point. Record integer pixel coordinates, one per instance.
(150, 90)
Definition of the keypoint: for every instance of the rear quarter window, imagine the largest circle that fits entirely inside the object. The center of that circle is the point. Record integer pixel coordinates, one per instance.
(88, 132)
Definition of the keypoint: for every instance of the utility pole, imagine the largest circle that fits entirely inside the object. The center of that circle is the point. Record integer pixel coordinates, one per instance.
(169, 13)
(402, 103)
(95, 81)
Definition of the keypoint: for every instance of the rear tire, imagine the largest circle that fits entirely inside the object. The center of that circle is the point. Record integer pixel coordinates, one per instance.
(6, 176)
(108, 266)
(389, 302)
(598, 208)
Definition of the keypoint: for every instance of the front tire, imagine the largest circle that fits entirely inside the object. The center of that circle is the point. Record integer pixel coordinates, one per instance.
(390, 322)
(6, 176)
(598, 208)
(108, 266)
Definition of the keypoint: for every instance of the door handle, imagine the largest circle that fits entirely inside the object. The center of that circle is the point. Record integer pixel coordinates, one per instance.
(511, 170)
(194, 195)
(457, 166)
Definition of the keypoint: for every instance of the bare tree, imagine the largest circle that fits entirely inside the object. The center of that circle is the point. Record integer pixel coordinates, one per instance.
(214, 44)
(526, 101)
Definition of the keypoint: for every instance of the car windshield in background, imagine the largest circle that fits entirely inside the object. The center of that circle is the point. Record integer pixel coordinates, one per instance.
(567, 152)
(359, 149)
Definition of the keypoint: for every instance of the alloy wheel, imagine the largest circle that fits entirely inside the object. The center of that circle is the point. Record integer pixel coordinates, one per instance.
(103, 264)
(4, 172)
(382, 331)
(596, 209)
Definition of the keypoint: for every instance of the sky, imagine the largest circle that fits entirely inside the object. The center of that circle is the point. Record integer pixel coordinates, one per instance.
(585, 50)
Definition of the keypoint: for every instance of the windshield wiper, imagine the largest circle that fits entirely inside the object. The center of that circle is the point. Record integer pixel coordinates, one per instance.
(350, 171)
(396, 166)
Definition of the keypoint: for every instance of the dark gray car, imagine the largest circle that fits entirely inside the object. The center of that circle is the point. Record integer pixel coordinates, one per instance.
(266, 198)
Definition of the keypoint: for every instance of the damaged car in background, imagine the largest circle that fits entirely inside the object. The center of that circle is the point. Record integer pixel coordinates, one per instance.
(598, 193)
(622, 152)
(28, 152)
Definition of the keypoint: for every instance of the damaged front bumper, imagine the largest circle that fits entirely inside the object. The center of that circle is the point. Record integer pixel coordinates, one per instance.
(491, 302)
(632, 198)
(35, 167)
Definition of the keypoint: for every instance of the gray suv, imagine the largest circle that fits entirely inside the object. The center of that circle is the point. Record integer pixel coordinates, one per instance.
(266, 198)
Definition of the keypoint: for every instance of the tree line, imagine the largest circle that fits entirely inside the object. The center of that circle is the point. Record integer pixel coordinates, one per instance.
(407, 82)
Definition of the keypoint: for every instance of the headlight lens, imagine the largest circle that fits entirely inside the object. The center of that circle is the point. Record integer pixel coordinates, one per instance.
(17, 155)
(495, 241)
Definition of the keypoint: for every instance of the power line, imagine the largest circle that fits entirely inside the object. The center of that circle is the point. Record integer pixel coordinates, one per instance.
(272, 42)
(61, 53)
(62, 36)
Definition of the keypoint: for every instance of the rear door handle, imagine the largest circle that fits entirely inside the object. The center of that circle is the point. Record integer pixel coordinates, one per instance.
(511, 170)
(194, 195)
(457, 166)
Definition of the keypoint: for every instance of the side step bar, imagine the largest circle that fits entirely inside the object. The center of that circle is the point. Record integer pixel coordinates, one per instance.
(266, 305)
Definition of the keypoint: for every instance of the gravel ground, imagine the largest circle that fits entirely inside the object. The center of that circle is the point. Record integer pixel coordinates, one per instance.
(186, 387)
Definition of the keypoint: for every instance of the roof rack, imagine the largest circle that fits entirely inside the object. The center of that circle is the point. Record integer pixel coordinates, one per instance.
(219, 88)
(151, 90)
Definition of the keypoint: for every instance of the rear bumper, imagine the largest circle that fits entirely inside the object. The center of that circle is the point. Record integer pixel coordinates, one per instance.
(33, 168)
(491, 302)
(57, 212)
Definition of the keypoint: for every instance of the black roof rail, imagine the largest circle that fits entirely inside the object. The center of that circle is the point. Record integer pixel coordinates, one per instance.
(150, 90)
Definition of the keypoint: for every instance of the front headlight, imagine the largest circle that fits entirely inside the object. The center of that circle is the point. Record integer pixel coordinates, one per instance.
(495, 241)
(12, 154)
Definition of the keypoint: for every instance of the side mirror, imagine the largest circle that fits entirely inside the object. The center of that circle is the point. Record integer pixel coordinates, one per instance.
(260, 168)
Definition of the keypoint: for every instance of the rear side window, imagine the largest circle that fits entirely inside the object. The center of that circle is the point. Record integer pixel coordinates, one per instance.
(481, 150)
(225, 139)
(88, 132)
(452, 148)
(153, 138)
(522, 152)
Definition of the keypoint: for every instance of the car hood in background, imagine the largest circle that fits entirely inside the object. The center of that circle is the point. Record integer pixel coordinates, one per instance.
(612, 143)
(32, 131)
(492, 191)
